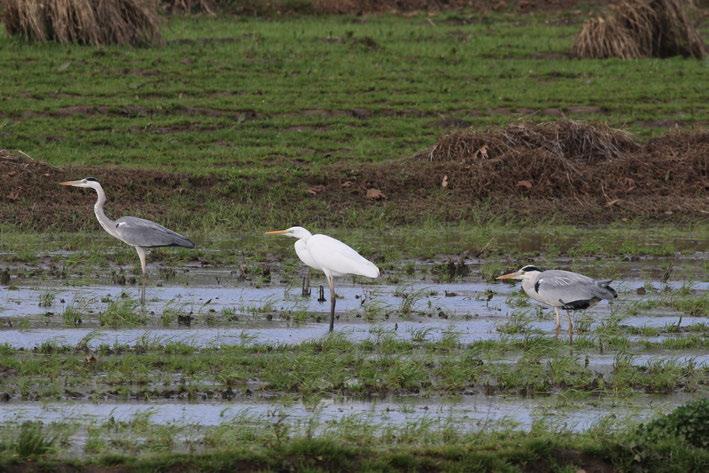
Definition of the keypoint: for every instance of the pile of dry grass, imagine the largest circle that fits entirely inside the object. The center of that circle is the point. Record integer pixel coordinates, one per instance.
(188, 6)
(565, 139)
(95, 22)
(641, 28)
(553, 159)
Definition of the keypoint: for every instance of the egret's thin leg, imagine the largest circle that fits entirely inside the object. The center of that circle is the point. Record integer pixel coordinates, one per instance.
(571, 327)
(306, 283)
(557, 327)
(331, 283)
(141, 255)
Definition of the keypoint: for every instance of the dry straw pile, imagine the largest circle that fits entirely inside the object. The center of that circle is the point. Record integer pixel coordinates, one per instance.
(641, 28)
(95, 22)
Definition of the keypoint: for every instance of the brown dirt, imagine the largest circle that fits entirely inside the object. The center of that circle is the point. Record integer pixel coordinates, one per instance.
(358, 7)
(132, 111)
(562, 171)
(31, 197)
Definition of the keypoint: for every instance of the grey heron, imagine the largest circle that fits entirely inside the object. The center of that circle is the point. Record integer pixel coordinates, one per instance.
(562, 290)
(330, 256)
(136, 232)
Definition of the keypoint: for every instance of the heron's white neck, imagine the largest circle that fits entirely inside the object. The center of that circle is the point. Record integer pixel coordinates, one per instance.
(529, 279)
(107, 224)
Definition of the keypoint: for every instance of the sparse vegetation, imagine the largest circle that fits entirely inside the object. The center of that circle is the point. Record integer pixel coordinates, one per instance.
(32, 441)
(122, 313)
(350, 445)
(429, 363)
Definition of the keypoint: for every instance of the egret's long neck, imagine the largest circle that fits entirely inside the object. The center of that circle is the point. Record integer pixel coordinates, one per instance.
(304, 235)
(105, 222)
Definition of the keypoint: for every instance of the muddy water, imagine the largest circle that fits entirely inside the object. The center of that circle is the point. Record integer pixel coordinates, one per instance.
(465, 331)
(469, 413)
(452, 298)
(473, 311)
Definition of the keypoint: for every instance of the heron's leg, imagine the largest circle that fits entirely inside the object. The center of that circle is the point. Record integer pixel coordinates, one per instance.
(557, 327)
(571, 327)
(141, 255)
(331, 283)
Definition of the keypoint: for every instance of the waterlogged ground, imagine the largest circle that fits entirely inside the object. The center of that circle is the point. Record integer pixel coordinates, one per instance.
(435, 343)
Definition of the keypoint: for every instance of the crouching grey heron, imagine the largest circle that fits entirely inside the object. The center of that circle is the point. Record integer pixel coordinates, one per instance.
(136, 232)
(562, 290)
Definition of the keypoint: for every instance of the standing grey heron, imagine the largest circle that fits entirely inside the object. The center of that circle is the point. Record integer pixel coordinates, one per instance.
(330, 256)
(562, 290)
(136, 232)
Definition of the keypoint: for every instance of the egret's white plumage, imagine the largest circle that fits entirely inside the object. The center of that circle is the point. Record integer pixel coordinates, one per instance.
(337, 258)
(562, 289)
(331, 256)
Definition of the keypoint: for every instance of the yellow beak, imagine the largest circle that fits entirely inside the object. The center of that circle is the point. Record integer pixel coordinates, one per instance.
(507, 276)
(69, 183)
(276, 232)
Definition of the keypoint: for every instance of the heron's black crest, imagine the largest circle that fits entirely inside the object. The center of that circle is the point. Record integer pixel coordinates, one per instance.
(91, 179)
(530, 267)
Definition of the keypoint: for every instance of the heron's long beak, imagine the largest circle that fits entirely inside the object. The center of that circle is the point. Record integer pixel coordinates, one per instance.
(508, 276)
(277, 232)
(69, 183)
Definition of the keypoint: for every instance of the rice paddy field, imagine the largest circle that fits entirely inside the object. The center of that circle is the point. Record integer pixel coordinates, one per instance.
(239, 124)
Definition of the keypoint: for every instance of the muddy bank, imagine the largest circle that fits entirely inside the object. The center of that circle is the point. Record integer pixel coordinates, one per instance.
(565, 170)
(575, 171)
(28, 185)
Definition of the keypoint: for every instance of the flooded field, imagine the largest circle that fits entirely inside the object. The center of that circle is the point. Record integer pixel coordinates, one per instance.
(467, 414)
(211, 349)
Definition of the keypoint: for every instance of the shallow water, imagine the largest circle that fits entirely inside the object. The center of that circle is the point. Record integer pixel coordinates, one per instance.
(465, 331)
(468, 413)
(452, 298)
(472, 310)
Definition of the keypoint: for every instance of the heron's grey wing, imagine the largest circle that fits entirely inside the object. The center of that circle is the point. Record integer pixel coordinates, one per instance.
(144, 233)
(571, 290)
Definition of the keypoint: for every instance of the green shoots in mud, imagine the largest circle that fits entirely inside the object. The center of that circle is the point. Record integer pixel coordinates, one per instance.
(123, 313)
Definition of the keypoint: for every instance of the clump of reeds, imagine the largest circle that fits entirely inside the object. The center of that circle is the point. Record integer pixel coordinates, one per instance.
(94, 22)
(641, 28)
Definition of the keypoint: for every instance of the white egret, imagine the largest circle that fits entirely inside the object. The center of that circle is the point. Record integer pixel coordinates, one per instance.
(562, 290)
(330, 256)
